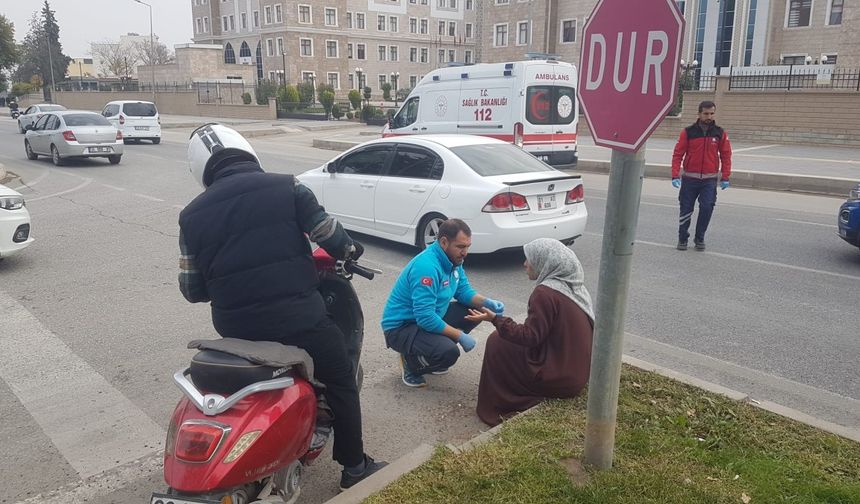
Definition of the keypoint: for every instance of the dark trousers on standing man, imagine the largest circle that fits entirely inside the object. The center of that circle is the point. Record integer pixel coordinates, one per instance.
(426, 352)
(705, 190)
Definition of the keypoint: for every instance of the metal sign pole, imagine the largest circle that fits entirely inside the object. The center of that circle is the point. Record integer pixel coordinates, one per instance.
(619, 232)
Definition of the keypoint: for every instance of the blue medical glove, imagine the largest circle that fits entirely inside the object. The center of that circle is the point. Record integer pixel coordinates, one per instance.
(724, 184)
(496, 306)
(466, 341)
(676, 183)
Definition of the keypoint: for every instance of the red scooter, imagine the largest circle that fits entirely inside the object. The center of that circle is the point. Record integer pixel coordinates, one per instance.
(243, 430)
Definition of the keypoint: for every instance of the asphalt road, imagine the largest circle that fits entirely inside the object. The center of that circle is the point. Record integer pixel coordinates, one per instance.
(94, 325)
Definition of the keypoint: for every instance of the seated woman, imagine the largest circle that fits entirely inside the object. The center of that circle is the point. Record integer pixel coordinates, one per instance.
(549, 355)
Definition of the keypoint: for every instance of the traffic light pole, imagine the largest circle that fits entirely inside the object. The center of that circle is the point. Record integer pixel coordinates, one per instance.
(626, 172)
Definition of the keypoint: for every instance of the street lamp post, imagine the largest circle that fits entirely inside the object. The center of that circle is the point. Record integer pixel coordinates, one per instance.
(314, 87)
(395, 76)
(686, 67)
(284, 58)
(81, 72)
(151, 48)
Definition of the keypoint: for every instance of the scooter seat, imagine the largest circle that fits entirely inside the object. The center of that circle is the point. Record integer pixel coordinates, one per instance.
(222, 373)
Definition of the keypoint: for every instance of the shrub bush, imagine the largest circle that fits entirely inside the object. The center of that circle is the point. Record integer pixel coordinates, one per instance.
(336, 112)
(246, 98)
(355, 99)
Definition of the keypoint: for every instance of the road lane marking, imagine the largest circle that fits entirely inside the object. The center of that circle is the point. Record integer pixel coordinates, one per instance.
(807, 222)
(35, 180)
(114, 187)
(94, 427)
(745, 149)
(748, 259)
(150, 198)
(85, 183)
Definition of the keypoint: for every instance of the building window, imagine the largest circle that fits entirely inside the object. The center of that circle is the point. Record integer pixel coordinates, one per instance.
(224, 22)
(348, 19)
(382, 80)
(501, 39)
(748, 45)
(305, 16)
(360, 52)
(267, 13)
(440, 56)
(470, 5)
(425, 55)
(798, 59)
(359, 20)
(334, 80)
(280, 45)
(798, 13)
(469, 30)
(307, 47)
(308, 77)
(199, 25)
(380, 23)
(442, 25)
(522, 33)
(452, 28)
(568, 31)
(245, 50)
(452, 55)
(392, 24)
(452, 4)
(270, 47)
(229, 55)
(835, 12)
(206, 24)
(413, 54)
(244, 20)
(468, 58)
(682, 5)
(232, 23)
(424, 25)
(828, 59)
(349, 51)
(351, 80)
(330, 17)
(382, 52)
(331, 48)
(413, 81)
(279, 14)
(393, 53)
(256, 19)
(502, 2)
(413, 25)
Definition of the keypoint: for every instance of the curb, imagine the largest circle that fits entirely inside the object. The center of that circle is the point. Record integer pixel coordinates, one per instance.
(809, 184)
(423, 452)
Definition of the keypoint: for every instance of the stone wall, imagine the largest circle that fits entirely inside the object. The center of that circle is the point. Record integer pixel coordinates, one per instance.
(803, 116)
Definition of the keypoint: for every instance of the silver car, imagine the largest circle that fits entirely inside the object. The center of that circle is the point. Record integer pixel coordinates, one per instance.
(73, 134)
(32, 114)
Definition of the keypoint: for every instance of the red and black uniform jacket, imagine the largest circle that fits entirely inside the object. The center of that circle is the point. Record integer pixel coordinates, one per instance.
(702, 153)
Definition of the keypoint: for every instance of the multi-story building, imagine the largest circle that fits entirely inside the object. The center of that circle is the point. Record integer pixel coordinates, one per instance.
(340, 41)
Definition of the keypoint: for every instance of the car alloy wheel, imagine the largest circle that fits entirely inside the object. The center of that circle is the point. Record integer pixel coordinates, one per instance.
(429, 229)
(55, 156)
(30, 154)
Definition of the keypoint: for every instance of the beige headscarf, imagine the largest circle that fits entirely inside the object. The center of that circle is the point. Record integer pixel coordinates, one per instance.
(558, 268)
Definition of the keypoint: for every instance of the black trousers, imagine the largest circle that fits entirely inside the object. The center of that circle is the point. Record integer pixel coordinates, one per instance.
(426, 352)
(326, 345)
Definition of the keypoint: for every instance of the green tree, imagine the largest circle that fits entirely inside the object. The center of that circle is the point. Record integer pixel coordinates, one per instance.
(322, 88)
(19, 89)
(41, 53)
(306, 93)
(336, 112)
(8, 48)
(265, 90)
(386, 92)
(289, 97)
(327, 100)
(355, 99)
(246, 98)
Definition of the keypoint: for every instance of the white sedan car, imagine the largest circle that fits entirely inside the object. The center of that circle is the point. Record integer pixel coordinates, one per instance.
(14, 222)
(31, 114)
(402, 188)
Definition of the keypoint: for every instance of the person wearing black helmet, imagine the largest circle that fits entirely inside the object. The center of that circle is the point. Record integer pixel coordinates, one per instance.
(244, 248)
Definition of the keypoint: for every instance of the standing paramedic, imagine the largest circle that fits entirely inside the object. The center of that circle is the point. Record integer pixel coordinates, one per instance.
(704, 153)
(420, 321)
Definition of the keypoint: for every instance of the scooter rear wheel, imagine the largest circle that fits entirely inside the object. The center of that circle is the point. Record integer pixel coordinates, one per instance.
(289, 482)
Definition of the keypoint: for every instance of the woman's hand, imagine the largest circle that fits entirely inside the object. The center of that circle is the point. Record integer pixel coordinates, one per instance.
(484, 314)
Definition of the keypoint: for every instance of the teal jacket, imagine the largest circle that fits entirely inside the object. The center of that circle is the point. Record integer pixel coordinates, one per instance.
(424, 289)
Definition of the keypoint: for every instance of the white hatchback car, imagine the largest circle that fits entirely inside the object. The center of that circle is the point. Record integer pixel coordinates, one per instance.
(14, 222)
(137, 120)
(402, 188)
(31, 114)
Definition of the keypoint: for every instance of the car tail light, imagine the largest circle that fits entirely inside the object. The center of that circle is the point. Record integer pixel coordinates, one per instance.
(506, 202)
(518, 134)
(69, 136)
(121, 119)
(575, 195)
(118, 135)
(197, 442)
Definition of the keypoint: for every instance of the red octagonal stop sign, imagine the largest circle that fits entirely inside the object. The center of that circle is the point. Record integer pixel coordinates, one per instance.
(628, 75)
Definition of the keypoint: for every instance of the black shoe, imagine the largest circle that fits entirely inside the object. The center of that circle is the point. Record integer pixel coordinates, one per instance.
(682, 245)
(700, 245)
(347, 479)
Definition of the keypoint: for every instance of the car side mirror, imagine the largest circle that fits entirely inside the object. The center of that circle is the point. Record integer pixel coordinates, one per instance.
(331, 167)
(28, 127)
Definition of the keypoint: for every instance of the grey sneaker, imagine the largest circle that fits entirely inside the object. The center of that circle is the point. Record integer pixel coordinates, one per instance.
(348, 479)
(682, 245)
(700, 245)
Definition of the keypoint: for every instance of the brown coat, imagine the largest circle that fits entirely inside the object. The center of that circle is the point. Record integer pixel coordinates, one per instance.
(549, 355)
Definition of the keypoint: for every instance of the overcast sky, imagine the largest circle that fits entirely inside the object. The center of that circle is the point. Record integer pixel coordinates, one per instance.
(85, 21)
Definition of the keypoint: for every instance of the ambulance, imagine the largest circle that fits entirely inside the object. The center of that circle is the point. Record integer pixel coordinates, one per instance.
(529, 103)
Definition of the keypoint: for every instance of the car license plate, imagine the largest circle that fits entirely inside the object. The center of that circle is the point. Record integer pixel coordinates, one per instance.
(141, 128)
(546, 202)
(99, 149)
(169, 499)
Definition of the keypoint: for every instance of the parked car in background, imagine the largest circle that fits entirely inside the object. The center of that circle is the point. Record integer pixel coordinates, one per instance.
(402, 188)
(137, 120)
(73, 134)
(14, 222)
(848, 221)
(32, 114)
